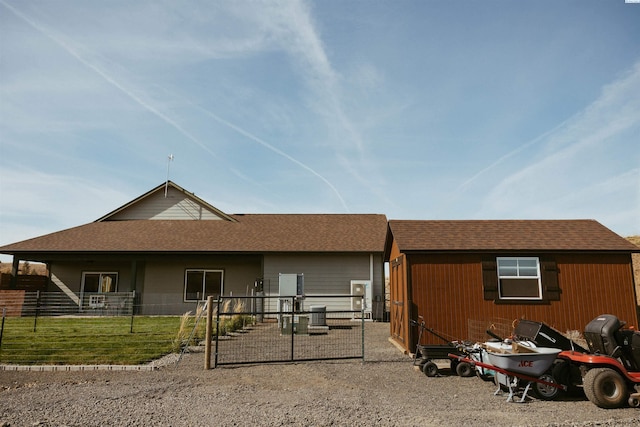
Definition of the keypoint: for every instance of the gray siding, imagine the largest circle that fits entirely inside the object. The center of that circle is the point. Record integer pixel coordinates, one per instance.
(160, 279)
(325, 274)
(176, 205)
(164, 279)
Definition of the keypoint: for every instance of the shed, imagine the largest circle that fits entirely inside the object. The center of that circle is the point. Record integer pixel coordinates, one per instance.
(463, 277)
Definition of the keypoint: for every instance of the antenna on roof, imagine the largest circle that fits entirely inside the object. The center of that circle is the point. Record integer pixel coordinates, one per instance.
(166, 184)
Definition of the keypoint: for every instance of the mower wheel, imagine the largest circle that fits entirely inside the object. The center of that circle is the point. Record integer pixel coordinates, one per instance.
(464, 369)
(430, 369)
(605, 388)
(634, 402)
(546, 392)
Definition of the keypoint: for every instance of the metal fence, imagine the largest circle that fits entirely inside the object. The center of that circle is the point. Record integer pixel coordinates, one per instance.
(55, 328)
(45, 329)
(288, 329)
(27, 304)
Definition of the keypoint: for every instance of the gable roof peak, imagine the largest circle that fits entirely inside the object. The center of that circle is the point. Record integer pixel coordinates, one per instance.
(164, 189)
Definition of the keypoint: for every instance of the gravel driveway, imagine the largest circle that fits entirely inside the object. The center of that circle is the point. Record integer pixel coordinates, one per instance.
(384, 391)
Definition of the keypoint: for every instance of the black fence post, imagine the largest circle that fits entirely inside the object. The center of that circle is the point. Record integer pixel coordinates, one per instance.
(37, 311)
(293, 331)
(133, 300)
(215, 358)
(207, 334)
(362, 331)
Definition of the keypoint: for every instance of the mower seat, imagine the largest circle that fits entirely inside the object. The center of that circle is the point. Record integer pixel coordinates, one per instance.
(601, 333)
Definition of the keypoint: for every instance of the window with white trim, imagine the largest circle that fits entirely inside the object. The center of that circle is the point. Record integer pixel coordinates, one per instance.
(199, 284)
(519, 278)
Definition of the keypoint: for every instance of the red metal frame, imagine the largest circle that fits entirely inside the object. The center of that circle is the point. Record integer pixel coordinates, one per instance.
(599, 360)
(505, 372)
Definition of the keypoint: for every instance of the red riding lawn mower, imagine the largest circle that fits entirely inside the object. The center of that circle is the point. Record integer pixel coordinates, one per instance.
(610, 372)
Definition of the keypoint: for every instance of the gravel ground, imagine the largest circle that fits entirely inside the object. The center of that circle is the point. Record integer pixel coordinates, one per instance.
(384, 391)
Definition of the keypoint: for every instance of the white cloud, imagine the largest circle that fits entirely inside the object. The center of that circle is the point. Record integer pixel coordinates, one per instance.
(579, 164)
(52, 201)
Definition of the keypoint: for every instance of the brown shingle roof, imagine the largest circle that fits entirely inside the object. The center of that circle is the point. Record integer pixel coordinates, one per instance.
(252, 233)
(578, 235)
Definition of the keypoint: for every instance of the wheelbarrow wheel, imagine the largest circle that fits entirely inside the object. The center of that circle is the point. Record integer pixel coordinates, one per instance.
(430, 369)
(546, 392)
(464, 369)
(605, 388)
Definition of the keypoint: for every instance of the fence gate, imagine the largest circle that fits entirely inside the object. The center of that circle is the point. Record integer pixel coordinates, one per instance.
(263, 329)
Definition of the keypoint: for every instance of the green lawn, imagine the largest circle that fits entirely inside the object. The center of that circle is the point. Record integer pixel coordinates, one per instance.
(100, 340)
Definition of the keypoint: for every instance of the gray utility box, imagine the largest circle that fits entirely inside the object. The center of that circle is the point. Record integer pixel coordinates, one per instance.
(318, 315)
(299, 325)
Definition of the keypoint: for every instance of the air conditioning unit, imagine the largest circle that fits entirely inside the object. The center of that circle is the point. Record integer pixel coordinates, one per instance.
(361, 298)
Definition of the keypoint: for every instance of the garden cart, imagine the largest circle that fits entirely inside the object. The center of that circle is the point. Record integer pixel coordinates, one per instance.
(425, 355)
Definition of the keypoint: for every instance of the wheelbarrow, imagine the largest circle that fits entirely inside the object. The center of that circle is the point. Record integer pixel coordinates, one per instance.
(518, 371)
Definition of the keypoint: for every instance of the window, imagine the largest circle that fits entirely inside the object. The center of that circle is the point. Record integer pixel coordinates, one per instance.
(199, 284)
(99, 282)
(519, 278)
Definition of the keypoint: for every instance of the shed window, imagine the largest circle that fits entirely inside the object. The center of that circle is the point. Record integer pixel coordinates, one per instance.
(199, 284)
(519, 278)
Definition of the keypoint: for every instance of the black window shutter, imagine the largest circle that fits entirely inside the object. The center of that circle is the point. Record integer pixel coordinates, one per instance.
(551, 288)
(490, 278)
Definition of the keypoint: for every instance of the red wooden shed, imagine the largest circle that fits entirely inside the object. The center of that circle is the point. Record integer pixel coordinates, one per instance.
(464, 277)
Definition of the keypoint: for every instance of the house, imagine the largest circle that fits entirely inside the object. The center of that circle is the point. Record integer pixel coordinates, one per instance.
(462, 277)
(174, 249)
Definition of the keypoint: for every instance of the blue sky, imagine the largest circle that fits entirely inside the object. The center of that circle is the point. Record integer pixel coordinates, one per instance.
(413, 109)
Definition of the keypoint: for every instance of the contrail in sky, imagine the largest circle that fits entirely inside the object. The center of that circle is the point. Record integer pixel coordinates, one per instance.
(512, 153)
(274, 149)
(107, 78)
(616, 99)
(73, 52)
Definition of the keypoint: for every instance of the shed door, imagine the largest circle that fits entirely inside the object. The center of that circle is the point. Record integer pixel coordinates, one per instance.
(399, 306)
